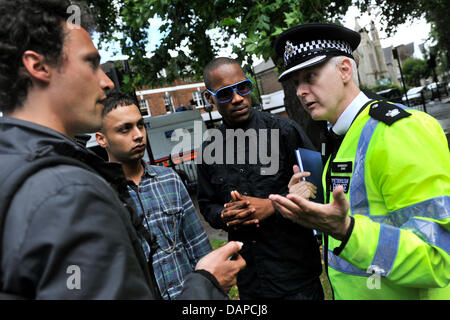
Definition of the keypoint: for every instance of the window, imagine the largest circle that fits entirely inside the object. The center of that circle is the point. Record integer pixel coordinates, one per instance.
(198, 99)
(168, 103)
(143, 106)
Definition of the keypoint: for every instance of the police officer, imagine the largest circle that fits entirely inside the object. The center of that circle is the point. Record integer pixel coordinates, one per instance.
(387, 180)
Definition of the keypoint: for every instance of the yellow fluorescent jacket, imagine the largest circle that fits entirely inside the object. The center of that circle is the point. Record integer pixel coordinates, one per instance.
(399, 193)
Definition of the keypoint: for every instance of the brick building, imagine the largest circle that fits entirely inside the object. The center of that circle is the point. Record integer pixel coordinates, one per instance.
(163, 100)
(272, 93)
(267, 77)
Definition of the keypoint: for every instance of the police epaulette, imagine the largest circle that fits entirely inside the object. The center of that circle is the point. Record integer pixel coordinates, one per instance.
(387, 112)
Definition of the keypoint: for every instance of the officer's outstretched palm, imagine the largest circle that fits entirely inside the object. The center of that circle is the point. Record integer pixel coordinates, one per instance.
(329, 218)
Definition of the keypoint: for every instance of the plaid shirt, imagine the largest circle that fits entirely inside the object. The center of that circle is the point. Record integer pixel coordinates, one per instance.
(169, 215)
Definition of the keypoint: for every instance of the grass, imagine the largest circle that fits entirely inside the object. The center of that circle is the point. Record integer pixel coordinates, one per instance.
(234, 292)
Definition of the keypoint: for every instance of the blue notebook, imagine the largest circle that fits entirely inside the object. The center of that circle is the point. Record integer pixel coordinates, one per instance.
(311, 161)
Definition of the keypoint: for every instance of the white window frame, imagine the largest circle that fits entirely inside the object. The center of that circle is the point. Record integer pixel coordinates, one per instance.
(143, 104)
(198, 98)
(168, 103)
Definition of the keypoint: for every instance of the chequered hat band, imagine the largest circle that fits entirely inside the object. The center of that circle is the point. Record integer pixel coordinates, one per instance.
(310, 49)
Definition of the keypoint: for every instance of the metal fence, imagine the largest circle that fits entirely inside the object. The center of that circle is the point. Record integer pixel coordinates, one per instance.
(188, 173)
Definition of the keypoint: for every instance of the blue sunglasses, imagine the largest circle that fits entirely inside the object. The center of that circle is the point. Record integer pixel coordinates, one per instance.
(226, 94)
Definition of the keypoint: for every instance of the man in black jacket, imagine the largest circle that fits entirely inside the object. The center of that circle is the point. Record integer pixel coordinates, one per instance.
(283, 260)
(68, 233)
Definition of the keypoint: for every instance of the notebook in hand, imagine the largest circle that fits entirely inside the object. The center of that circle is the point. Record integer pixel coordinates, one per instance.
(311, 161)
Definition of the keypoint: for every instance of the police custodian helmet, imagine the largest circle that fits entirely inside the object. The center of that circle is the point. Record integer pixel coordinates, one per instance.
(309, 44)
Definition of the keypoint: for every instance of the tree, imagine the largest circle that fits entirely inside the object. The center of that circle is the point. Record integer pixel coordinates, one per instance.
(186, 29)
(256, 23)
(415, 70)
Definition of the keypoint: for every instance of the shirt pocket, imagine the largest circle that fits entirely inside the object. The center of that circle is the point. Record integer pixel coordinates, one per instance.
(166, 225)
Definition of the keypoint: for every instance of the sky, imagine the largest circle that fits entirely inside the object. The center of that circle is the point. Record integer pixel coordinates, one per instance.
(416, 31)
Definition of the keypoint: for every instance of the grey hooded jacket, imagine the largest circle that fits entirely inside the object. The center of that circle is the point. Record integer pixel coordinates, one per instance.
(68, 233)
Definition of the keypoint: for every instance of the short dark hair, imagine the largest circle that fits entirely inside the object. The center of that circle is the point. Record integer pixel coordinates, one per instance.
(116, 98)
(31, 25)
(214, 64)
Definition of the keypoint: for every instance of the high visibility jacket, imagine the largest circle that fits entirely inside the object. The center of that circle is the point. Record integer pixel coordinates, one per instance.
(396, 175)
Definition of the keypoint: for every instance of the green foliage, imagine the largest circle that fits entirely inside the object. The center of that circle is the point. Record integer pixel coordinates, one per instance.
(187, 25)
(414, 70)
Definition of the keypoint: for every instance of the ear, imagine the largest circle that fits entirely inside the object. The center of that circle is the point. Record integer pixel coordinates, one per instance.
(346, 69)
(35, 65)
(101, 139)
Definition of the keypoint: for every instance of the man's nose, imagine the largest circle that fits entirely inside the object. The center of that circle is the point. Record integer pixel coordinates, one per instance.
(302, 90)
(237, 98)
(137, 133)
(105, 82)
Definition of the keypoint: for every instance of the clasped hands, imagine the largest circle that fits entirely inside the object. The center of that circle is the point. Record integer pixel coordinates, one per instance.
(244, 210)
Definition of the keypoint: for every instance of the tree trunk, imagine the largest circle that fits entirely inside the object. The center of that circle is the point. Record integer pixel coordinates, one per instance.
(314, 129)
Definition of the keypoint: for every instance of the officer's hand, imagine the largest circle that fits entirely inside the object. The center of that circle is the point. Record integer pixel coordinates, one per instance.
(329, 218)
(304, 189)
(225, 270)
(300, 187)
(297, 176)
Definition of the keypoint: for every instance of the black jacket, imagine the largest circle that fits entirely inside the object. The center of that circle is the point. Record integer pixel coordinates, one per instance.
(282, 257)
(67, 223)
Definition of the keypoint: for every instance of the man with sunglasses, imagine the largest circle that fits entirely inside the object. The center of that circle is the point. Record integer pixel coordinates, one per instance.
(283, 260)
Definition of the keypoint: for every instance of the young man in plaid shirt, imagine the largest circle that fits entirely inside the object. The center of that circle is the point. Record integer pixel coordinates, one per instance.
(177, 239)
